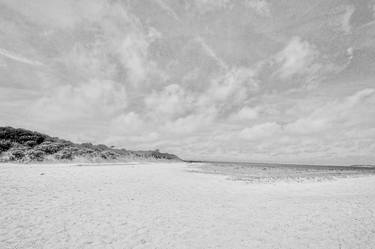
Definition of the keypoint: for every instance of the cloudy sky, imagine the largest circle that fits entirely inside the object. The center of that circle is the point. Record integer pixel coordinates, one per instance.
(247, 80)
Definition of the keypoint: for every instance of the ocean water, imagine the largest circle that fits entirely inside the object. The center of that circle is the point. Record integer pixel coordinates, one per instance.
(264, 172)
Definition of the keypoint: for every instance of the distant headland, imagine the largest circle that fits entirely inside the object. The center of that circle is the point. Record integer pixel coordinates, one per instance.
(23, 146)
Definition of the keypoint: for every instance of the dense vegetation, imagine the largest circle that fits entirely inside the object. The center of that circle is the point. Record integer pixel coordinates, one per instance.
(22, 145)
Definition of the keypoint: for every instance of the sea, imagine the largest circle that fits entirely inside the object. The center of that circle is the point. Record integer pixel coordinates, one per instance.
(268, 172)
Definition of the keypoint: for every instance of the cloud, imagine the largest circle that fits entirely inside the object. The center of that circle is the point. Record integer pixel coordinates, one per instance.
(126, 124)
(245, 114)
(172, 101)
(168, 9)
(209, 5)
(262, 7)
(359, 96)
(343, 14)
(308, 125)
(331, 115)
(192, 124)
(60, 14)
(86, 101)
(296, 58)
(260, 131)
(232, 87)
(346, 17)
(19, 58)
(210, 52)
(133, 52)
(300, 64)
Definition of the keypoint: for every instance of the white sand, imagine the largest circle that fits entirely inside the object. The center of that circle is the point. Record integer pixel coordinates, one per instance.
(165, 206)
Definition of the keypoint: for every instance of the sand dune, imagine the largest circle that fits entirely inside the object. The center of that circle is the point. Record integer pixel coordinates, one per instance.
(164, 205)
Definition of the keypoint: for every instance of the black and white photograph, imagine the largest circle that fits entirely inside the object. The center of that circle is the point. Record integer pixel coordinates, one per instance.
(187, 124)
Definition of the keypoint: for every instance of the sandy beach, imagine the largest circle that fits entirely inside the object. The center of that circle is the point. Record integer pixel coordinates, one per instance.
(169, 205)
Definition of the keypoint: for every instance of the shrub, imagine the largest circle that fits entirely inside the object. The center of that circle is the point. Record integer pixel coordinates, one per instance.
(86, 145)
(21, 136)
(5, 145)
(16, 155)
(101, 147)
(35, 155)
(30, 143)
(110, 155)
(50, 147)
(87, 153)
(24, 145)
(64, 154)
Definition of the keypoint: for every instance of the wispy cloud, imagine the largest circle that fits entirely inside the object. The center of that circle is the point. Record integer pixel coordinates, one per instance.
(211, 52)
(346, 17)
(296, 58)
(19, 58)
(168, 9)
(262, 7)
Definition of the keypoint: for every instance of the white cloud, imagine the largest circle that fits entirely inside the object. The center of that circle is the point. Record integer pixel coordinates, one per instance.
(172, 101)
(89, 61)
(19, 58)
(245, 114)
(208, 5)
(296, 58)
(192, 124)
(346, 26)
(128, 40)
(332, 115)
(359, 96)
(127, 124)
(232, 87)
(260, 131)
(210, 52)
(307, 125)
(133, 52)
(88, 101)
(168, 9)
(342, 15)
(262, 7)
(60, 14)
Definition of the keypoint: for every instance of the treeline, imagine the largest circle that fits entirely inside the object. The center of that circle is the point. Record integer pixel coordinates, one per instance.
(20, 145)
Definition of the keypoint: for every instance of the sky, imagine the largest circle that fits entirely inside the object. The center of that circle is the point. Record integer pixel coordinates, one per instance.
(288, 81)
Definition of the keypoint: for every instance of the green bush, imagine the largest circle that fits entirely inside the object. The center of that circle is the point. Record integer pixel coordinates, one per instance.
(30, 143)
(16, 155)
(109, 155)
(35, 155)
(64, 154)
(50, 147)
(21, 136)
(5, 145)
(24, 145)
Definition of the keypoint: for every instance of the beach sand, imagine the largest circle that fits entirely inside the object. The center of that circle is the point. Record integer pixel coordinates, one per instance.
(170, 205)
